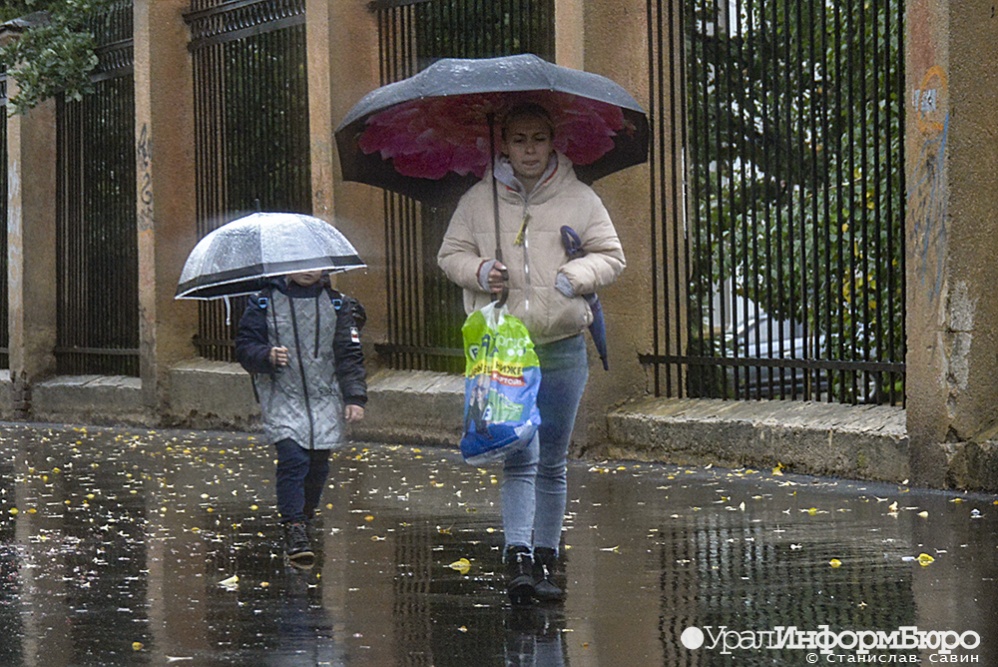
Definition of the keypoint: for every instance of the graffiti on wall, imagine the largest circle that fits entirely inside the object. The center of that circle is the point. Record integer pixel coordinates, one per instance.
(144, 154)
(926, 195)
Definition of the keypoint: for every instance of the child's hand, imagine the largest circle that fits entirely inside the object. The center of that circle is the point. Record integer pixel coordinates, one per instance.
(278, 356)
(353, 413)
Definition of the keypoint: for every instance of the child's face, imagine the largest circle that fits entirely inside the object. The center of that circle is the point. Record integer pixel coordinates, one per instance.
(305, 278)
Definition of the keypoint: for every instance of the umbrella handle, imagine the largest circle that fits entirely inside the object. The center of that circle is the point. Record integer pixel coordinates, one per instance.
(505, 288)
(491, 117)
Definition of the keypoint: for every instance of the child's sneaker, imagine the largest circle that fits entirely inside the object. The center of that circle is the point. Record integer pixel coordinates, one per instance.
(296, 544)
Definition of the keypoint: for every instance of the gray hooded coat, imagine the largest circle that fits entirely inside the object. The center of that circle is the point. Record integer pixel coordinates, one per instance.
(304, 400)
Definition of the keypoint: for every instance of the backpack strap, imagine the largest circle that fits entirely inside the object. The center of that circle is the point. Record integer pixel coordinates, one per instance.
(339, 300)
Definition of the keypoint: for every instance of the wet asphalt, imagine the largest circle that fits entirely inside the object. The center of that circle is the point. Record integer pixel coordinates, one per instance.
(123, 547)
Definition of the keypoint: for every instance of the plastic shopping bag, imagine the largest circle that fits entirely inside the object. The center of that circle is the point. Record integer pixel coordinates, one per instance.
(502, 377)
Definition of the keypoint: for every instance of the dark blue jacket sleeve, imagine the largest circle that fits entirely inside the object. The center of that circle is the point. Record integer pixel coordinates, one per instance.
(252, 345)
(349, 354)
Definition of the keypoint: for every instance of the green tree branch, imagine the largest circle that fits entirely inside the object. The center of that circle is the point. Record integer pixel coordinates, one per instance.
(52, 50)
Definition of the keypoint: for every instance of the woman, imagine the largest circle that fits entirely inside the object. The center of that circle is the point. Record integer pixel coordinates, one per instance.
(538, 193)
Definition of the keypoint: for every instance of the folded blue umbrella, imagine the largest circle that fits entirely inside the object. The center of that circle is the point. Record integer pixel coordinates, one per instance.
(573, 246)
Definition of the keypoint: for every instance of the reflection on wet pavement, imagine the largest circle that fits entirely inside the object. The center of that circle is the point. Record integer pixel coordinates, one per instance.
(152, 548)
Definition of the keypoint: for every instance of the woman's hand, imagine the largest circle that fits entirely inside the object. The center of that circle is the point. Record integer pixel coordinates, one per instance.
(497, 278)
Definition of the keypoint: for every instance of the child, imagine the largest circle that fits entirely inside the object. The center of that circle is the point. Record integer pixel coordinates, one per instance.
(301, 340)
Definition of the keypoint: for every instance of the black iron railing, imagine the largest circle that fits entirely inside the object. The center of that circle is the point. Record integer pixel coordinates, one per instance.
(778, 199)
(97, 322)
(251, 127)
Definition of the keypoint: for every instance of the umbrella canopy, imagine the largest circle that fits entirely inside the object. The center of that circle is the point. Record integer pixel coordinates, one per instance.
(573, 247)
(239, 256)
(429, 135)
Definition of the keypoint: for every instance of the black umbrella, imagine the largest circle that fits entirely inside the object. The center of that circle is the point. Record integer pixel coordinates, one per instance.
(573, 247)
(431, 135)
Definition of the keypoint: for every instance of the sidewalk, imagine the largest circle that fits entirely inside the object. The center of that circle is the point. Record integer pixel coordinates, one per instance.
(860, 442)
(160, 547)
(422, 407)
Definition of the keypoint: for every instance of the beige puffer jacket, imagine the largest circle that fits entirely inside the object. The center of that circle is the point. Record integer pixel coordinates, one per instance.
(559, 199)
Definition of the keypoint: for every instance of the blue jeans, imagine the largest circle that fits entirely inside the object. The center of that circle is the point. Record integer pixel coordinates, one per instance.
(535, 483)
(301, 476)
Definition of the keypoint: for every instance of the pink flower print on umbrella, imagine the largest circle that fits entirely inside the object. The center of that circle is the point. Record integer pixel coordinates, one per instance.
(430, 138)
(427, 136)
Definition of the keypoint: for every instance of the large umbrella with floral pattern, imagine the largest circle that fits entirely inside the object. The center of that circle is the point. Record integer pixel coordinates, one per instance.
(432, 135)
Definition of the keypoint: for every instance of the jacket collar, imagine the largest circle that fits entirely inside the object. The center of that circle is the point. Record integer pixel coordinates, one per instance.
(558, 169)
(293, 289)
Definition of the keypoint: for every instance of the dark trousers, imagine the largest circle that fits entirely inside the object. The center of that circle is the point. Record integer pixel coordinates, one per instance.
(301, 476)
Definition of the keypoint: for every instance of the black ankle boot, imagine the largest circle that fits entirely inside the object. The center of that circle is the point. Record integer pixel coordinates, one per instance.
(519, 574)
(545, 564)
(296, 544)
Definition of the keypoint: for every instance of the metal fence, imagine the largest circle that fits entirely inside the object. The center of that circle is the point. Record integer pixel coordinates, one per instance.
(251, 127)
(778, 201)
(97, 323)
(425, 311)
(4, 301)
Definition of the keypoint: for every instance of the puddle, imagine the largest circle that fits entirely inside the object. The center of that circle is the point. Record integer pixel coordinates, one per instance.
(114, 545)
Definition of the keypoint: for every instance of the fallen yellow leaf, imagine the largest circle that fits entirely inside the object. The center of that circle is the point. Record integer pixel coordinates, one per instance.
(462, 565)
(925, 559)
(835, 562)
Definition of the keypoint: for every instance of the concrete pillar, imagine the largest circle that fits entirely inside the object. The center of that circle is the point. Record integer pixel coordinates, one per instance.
(952, 354)
(352, 57)
(164, 136)
(614, 42)
(570, 31)
(318, 37)
(31, 257)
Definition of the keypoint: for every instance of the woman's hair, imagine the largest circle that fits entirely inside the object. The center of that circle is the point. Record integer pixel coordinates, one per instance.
(527, 110)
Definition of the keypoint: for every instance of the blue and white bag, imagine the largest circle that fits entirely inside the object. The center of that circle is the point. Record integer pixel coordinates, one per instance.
(502, 377)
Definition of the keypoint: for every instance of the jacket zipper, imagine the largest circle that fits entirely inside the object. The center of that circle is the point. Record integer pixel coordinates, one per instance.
(304, 380)
(526, 255)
